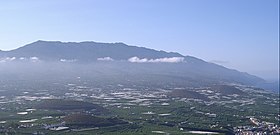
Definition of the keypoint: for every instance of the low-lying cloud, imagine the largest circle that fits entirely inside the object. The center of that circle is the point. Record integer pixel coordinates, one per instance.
(10, 59)
(7, 59)
(66, 60)
(34, 59)
(159, 60)
(105, 59)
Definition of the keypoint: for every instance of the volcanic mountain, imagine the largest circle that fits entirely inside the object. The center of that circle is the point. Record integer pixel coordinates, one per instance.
(116, 60)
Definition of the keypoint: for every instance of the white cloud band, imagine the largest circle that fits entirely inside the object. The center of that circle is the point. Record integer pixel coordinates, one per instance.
(159, 60)
(105, 59)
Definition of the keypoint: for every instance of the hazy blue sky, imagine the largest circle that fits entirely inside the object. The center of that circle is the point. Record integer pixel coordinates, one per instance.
(240, 34)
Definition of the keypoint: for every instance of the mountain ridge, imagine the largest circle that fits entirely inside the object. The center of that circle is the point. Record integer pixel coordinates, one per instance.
(92, 52)
(85, 50)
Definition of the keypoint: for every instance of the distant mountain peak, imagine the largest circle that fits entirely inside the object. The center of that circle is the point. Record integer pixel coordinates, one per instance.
(44, 41)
